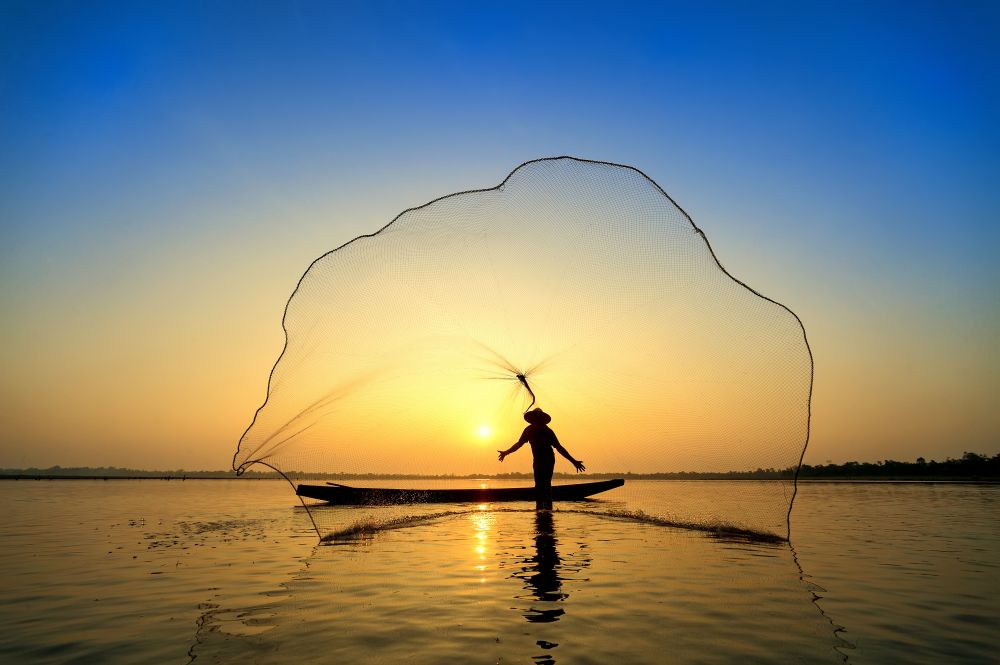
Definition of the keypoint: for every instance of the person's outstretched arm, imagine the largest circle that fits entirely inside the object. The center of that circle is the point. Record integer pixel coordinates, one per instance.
(504, 453)
(565, 453)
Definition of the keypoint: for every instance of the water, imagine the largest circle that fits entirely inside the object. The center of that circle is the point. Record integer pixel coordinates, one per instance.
(226, 571)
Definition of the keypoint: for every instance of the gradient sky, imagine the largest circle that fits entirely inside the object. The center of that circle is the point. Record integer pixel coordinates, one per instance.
(168, 170)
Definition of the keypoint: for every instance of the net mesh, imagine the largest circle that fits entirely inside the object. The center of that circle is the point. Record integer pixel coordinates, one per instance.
(403, 348)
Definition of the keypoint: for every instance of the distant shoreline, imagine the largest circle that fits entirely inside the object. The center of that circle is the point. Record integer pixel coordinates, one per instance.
(971, 467)
(656, 477)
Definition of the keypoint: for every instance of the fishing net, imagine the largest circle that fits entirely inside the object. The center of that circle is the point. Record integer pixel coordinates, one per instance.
(576, 286)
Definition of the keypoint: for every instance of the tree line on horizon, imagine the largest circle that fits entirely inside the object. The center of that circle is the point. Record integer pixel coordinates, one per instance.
(970, 466)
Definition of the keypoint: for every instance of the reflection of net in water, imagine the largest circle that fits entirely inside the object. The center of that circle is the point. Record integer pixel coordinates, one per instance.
(404, 348)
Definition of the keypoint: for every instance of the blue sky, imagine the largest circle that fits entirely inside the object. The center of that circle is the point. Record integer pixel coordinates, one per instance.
(167, 170)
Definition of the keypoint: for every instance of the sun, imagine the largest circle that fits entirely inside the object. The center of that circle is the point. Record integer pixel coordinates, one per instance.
(484, 431)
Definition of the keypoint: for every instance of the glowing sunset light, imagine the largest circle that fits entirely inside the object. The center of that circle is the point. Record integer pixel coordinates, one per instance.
(485, 431)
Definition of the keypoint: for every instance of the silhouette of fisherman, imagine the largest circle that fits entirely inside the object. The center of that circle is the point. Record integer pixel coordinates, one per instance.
(542, 440)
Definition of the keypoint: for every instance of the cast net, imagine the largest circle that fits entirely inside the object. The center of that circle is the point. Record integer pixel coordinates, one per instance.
(404, 348)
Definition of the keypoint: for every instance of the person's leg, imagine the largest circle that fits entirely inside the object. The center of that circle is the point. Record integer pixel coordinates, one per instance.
(543, 486)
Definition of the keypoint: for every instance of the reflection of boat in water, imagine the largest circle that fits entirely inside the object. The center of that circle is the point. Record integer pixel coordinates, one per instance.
(345, 495)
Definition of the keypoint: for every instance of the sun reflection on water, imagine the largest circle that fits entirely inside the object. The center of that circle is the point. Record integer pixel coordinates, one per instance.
(482, 525)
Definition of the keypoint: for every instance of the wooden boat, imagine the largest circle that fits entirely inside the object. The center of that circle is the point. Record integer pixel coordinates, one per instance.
(344, 495)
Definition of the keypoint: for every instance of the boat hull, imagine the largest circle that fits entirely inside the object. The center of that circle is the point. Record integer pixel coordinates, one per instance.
(343, 495)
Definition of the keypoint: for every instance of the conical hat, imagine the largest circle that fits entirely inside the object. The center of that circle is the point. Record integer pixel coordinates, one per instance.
(537, 417)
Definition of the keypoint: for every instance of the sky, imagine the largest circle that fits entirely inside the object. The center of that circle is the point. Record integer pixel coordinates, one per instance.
(169, 170)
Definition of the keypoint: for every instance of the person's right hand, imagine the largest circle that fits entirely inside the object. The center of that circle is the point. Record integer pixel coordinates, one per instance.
(502, 455)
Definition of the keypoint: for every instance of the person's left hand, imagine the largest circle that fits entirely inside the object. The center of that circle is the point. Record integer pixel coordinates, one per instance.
(502, 455)
(579, 466)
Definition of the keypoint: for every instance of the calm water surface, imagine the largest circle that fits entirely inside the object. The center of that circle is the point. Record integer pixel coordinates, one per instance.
(230, 571)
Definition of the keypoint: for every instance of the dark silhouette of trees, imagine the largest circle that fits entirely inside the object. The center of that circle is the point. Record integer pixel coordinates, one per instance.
(970, 466)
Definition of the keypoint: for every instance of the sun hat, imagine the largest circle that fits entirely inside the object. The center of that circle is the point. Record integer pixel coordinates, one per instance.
(537, 417)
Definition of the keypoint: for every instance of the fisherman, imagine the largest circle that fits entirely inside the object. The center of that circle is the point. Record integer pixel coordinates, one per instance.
(542, 440)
